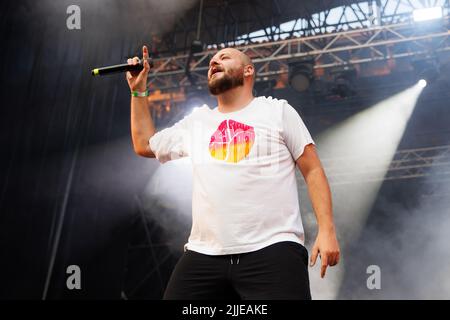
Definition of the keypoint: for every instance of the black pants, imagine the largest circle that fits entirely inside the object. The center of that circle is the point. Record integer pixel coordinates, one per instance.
(278, 271)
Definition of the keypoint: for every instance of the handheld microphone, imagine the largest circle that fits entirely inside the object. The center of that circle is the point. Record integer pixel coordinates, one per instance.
(120, 68)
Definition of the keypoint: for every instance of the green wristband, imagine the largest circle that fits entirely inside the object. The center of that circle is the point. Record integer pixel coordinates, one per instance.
(139, 94)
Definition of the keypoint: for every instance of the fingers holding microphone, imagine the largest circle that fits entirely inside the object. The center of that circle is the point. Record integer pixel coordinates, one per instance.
(137, 80)
(132, 62)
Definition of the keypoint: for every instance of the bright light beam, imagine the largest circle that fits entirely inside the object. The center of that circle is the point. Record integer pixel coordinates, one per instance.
(366, 141)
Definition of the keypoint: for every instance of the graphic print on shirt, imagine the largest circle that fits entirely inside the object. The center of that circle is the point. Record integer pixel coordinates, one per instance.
(232, 141)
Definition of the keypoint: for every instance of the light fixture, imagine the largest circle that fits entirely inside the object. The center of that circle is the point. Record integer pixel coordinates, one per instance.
(426, 14)
(342, 85)
(196, 46)
(301, 74)
(422, 83)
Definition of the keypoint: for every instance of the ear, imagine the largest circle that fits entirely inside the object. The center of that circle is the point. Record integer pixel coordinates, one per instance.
(249, 70)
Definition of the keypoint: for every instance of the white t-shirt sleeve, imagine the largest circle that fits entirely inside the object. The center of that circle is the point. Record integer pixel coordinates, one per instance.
(295, 134)
(171, 143)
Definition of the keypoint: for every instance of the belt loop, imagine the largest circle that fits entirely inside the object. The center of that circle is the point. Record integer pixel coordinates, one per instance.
(231, 258)
(238, 260)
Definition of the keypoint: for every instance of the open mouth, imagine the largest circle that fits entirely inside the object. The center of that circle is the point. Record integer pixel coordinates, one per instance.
(215, 70)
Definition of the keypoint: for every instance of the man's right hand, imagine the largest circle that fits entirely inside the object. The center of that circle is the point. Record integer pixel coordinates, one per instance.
(137, 80)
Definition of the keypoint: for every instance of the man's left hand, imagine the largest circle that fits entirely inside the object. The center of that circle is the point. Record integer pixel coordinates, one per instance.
(326, 245)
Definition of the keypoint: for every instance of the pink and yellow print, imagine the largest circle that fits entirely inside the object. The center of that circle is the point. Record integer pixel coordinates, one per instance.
(232, 141)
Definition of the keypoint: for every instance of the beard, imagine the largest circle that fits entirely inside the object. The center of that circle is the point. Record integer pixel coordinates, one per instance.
(229, 80)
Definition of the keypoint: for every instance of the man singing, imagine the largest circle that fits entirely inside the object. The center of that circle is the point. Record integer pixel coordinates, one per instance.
(247, 238)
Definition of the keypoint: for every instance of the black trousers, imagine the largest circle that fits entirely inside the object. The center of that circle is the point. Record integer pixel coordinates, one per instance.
(278, 271)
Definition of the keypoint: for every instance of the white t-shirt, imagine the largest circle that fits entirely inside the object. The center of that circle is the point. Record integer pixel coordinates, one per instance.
(244, 187)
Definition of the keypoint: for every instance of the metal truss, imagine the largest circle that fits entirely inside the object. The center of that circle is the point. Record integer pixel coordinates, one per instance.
(406, 164)
(351, 15)
(237, 22)
(353, 47)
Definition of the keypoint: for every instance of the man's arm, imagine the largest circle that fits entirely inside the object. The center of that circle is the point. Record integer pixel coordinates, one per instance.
(142, 126)
(326, 243)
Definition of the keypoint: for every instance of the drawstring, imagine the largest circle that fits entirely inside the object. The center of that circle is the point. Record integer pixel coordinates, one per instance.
(231, 259)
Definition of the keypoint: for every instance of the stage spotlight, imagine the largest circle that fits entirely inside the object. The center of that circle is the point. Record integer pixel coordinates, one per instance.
(426, 14)
(422, 83)
(196, 46)
(343, 82)
(301, 74)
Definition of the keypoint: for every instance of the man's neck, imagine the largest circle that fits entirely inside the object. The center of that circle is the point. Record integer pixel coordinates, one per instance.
(234, 99)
